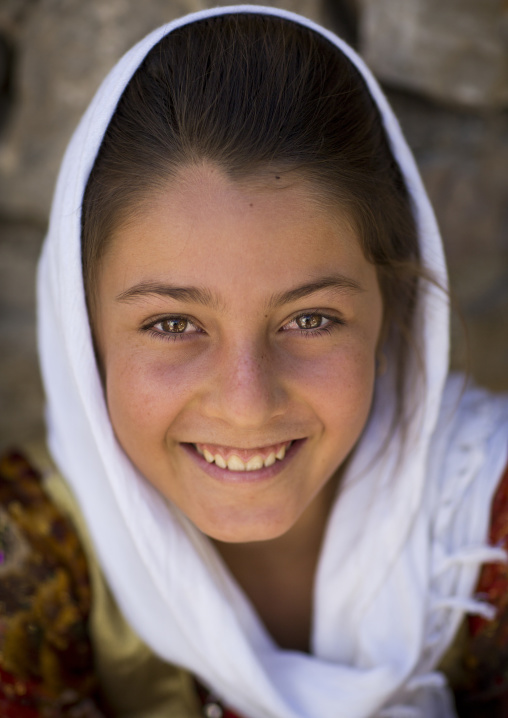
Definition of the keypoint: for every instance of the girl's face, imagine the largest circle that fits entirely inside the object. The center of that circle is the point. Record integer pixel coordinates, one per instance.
(237, 326)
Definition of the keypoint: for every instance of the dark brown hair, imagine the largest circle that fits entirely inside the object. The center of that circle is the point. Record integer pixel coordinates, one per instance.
(256, 94)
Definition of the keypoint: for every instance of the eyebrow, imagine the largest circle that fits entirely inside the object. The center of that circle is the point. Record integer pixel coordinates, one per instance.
(197, 295)
(336, 282)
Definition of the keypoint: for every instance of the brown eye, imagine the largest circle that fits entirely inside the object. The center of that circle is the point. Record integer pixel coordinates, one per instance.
(309, 321)
(174, 326)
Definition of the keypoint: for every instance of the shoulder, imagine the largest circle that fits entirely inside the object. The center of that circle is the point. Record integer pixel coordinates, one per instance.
(471, 422)
(467, 457)
(477, 663)
(468, 506)
(45, 653)
(64, 642)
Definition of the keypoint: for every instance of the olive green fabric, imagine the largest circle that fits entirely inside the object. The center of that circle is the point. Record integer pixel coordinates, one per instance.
(135, 682)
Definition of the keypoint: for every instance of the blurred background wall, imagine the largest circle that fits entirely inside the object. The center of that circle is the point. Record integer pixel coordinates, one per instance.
(443, 64)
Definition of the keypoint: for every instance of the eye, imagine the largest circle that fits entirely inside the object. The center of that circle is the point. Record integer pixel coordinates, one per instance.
(174, 327)
(312, 323)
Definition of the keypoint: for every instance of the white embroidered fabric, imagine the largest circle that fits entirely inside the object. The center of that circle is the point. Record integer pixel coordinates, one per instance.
(405, 537)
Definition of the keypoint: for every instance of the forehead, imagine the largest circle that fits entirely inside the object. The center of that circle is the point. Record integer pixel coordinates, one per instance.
(250, 235)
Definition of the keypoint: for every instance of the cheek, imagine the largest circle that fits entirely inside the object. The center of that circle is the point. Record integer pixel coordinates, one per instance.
(353, 387)
(340, 388)
(145, 396)
(347, 368)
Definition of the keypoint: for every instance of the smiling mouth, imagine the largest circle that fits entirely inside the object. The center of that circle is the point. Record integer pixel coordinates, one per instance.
(243, 459)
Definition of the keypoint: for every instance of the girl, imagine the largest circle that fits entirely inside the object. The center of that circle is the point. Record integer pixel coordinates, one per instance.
(243, 324)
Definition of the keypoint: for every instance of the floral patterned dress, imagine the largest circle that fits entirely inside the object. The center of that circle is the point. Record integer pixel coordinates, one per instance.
(46, 664)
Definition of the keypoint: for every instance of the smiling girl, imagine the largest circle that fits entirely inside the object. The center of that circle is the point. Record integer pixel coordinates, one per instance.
(283, 499)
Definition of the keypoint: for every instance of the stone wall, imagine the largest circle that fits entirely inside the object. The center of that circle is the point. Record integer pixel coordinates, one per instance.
(445, 68)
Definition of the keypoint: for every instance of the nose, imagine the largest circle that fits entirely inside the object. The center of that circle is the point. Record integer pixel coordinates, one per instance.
(247, 388)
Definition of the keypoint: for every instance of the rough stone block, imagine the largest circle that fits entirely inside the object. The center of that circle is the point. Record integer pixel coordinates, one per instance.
(21, 397)
(65, 48)
(463, 158)
(452, 50)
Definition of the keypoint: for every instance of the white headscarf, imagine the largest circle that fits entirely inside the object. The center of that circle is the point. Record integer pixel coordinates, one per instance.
(404, 540)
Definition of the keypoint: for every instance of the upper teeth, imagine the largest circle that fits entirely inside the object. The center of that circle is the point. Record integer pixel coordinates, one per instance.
(235, 463)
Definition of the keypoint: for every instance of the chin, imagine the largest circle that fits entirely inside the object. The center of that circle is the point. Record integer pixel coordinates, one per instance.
(246, 531)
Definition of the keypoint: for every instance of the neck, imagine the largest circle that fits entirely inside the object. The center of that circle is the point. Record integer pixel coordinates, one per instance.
(278, 575)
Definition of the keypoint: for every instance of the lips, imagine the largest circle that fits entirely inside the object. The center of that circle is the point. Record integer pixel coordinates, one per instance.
(236, 459)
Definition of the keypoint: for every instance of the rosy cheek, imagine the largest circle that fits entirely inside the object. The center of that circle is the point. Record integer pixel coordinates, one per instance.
(342, 386)
(143, 390)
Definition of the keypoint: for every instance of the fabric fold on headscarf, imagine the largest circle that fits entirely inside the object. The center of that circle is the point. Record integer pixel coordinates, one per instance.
(384, 614)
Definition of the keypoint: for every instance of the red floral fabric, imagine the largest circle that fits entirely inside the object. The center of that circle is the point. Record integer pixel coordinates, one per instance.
(16, 697)
(493, 583)
(46, 658)
(212, 707)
